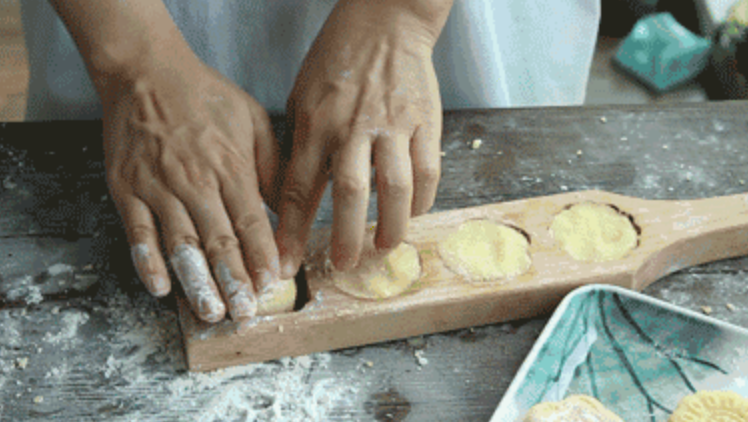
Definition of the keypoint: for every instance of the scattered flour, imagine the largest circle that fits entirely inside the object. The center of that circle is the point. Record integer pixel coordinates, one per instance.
(146, 355)
(34, 295)
(25, 290)
(58, 269)
(69, 324)
(134, 369)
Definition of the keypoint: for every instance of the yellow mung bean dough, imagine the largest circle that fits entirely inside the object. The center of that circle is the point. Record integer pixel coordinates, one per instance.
(281, 298)
(576, 408)
(381, 277)
(594, 232)
(711, 406)
(483, 250)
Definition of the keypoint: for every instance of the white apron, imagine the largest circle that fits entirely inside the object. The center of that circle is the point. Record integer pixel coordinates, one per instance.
(491, 54)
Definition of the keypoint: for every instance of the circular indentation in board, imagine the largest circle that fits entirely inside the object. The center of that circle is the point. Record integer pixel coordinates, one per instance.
(482, 250)
(594, 232)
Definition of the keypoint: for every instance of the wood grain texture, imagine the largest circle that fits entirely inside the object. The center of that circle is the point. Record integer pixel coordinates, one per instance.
(672, 235)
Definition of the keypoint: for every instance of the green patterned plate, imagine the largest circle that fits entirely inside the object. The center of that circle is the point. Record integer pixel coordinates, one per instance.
(639, 356)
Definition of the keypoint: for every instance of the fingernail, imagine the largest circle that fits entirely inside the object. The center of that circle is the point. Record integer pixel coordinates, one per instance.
(160, 286)
(242, 306)
(210, 310)
(141, 259)
(343, 264)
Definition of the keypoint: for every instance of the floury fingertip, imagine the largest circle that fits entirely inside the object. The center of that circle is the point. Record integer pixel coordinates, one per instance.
(141, 258)
(192, 270)
(240, 296)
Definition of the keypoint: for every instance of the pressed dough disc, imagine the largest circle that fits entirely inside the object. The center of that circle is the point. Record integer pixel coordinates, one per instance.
(381, 277)
(484, 250)
(577, 408)
(594, 232)
(711, 406)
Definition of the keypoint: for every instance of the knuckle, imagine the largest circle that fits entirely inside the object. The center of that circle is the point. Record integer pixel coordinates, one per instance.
(142, 233)
(349, 186)
(221, 246)
(428, 174)
(396, 187)
(297, 196)
(249, 224)
(186, 240)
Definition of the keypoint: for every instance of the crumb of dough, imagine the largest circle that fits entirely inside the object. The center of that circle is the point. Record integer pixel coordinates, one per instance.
(575, 408)
(476, 144)
(279, 299)
(710, 406)
(594, 232)
(706, 309)
(38, 399)
(381, 277)
(484, 250)
(730, 307)
(22, 363)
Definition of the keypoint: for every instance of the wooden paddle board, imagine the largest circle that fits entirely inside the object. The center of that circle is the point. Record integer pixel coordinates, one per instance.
(672, 235)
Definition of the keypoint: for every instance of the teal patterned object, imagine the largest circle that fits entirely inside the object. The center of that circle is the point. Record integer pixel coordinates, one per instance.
(662, 53)
(637, 355)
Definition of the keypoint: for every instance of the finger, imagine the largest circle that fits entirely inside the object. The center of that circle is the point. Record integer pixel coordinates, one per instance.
(223, 252)
(425, 152)
(188, 260)
(394, 189)
(351, 175)
(252, 226)
(267, 159)
(302, 192)
(142, 236)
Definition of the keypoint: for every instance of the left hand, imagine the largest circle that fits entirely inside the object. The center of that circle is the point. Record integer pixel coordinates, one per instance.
(366, 95)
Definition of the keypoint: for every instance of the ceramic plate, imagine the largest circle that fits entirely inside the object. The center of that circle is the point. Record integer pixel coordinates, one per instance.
(639, 356)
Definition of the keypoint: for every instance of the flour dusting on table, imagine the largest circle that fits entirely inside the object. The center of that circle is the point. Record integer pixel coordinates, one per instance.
(134, 345)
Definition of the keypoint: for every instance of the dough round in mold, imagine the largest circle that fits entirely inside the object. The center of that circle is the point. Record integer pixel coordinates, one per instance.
(711, 406)
(594, 232)
(281, 298)
(381, 277)
(483, 250)
(574, 408)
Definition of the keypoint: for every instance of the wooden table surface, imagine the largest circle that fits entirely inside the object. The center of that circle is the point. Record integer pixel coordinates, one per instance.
(81, 340)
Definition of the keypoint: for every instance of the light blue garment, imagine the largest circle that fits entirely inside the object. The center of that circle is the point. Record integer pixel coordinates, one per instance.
(492, 53)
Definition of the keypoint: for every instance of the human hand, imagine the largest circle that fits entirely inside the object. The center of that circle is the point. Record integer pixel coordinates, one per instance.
(366, 96)
(190, 154)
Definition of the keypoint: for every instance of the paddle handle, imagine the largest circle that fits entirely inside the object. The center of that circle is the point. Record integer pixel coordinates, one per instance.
(687, 233)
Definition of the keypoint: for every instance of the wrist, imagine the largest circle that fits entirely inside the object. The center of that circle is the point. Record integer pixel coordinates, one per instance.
(121, 63)
(423, 18)
(120, 40)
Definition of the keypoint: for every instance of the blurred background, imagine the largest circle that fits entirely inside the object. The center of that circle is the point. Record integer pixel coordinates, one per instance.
(718, 21)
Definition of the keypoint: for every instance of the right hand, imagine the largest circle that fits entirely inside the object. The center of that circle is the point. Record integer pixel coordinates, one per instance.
(189, 157)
